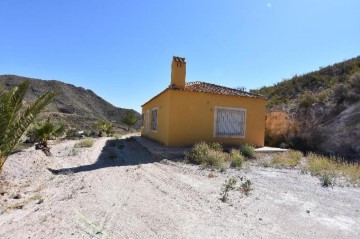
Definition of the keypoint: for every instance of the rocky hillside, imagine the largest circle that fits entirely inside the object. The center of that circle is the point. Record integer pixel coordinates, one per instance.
(322, 110)
(76, 107)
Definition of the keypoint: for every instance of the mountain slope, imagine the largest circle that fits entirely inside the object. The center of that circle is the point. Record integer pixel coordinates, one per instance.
(76, 107)
(322, 107)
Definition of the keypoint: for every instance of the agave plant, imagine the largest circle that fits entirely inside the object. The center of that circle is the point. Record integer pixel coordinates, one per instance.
(14, 119)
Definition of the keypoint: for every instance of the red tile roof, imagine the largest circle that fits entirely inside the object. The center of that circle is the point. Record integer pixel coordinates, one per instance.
(199, 86)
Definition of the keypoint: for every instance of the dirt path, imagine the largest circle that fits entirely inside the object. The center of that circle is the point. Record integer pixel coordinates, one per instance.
(116, 189)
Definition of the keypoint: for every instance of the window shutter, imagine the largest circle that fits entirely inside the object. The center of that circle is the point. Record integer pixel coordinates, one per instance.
(230, 122)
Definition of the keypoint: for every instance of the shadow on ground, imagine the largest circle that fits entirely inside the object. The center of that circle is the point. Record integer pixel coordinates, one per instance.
(116, 153)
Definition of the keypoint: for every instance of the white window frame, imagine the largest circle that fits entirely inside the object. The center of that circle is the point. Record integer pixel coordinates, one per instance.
(232, 135)
(157, 119)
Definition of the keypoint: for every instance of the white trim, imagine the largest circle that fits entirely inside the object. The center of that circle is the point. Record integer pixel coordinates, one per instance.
(229, 136)
(157, 117)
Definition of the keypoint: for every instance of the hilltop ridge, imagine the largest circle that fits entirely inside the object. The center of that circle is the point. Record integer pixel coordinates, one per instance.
(76, 107)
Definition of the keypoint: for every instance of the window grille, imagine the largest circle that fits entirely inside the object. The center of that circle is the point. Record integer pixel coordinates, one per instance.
(154, 119)
(230, 122)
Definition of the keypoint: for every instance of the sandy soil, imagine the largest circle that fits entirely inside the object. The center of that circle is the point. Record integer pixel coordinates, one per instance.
(116, 189)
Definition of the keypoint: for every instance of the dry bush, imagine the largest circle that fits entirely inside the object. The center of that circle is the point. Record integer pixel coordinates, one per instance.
(207, 154)
(318, 165)
(236, 158)
(85, 143)
(287, 159)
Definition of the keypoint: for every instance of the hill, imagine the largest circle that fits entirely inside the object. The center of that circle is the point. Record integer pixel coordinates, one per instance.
(321, 110)
(76, 107)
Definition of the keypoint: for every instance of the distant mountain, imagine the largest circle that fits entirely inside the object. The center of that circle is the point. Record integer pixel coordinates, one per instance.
(76, 107)
(321, 110)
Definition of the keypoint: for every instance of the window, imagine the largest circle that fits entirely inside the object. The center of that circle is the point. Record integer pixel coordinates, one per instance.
(142, 119)
(229, 122)
(154, 118)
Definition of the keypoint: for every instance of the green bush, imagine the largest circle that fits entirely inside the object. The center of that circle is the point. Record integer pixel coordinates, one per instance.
(203, 153)
(236, 158)
(85, 143)
(247, 150)
(326, 180)
(71, 134)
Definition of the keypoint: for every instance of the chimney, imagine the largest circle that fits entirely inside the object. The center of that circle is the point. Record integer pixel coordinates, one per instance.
(178, 72)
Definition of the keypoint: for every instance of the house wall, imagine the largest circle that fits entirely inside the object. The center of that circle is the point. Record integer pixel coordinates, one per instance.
(162, 102)
(191, 118)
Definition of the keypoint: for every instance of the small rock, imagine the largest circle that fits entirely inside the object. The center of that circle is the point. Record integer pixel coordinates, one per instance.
(307, 211)
(260, 219)
(17, 196)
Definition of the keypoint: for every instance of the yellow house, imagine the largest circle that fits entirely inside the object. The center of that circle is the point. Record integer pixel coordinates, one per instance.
(186, 113)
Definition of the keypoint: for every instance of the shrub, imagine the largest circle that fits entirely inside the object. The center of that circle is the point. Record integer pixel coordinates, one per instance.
(306, 100)
(203, 154)
(246, 187)
(326, 180)
(216, 146)
(340, 92)
(236, 158)
(228, 185)
(319, 165)
(85, 143)
(355, 82)
(248, 151)
(215, 158)
(286, 159)
(71, 134)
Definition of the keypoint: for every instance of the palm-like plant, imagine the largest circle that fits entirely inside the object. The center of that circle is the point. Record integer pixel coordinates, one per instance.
(103, 126)
(42, 131)
(14, 120)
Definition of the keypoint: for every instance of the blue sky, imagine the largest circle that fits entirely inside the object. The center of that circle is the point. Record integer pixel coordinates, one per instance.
(122, 50)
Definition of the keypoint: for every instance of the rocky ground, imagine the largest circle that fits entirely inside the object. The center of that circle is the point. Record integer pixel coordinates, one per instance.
(117, 189)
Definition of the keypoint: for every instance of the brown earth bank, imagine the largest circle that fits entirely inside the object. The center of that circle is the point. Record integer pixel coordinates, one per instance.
(117, 189)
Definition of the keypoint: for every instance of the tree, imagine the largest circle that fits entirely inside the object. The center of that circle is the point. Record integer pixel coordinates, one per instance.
(41, 132)
(103, 126)
(129, 119)
(14, 119)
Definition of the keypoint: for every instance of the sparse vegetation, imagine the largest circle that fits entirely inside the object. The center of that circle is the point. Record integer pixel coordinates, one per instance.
(248, 151)
(42, 132)
(14, 119)
(326, 180)
(318, 165)
(316, 103)
(287, 159)
(103, 127)
(246, 187)
(85, 143)
(228, 185)
(236, 158)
